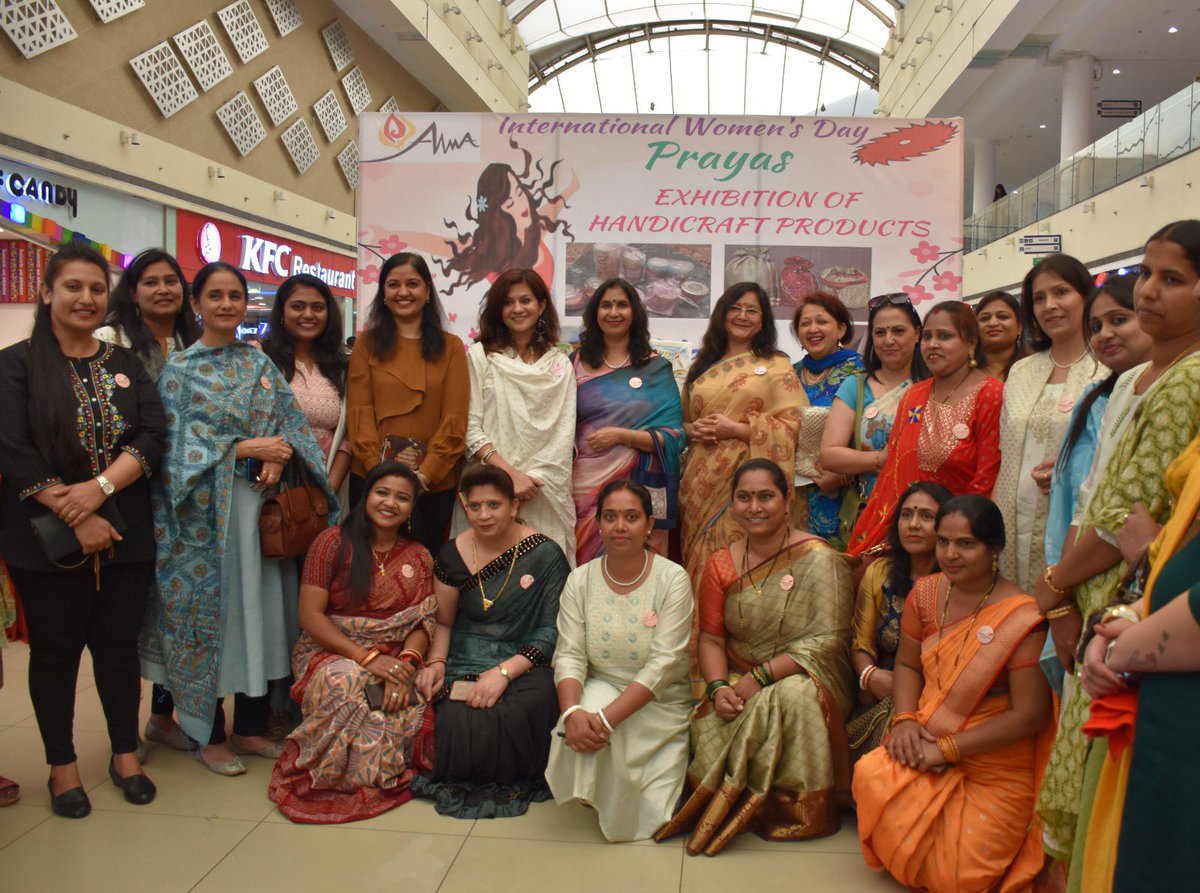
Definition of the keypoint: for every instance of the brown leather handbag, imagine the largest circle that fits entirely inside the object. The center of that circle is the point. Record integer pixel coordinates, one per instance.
(291, 519)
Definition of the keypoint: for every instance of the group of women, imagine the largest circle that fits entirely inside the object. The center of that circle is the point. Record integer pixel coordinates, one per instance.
(535, 582)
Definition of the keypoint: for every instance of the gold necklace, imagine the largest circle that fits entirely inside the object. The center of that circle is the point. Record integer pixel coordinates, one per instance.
(746, 562)
(382, 565)
(937, 654)
(946, 400)
(1182, 356)
(488, 602)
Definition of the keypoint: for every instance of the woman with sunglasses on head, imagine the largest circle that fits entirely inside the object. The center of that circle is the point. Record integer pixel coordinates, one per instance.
(621, 743)
(1163, 418)
(629, 422)
(81, 431)
(304, 339)
(947, 803)
(408, 383)
(741, 401)
(221, 621)
(1039, 394)
(1001, 333)
(947, 426)
(522, 409)
(367, 611)
(775, 624)
(854, 442)
(823, 326)
(912, 538)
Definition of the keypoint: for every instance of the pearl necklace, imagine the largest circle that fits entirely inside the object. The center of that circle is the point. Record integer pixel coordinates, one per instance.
(621, 365)
(635, 580)
(1066, 365)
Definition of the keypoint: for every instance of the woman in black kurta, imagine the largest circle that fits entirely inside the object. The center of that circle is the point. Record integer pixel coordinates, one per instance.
(81, 425)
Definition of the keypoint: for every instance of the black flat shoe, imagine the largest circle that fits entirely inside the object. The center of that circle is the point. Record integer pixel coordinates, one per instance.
(139, 790)
(72, 804)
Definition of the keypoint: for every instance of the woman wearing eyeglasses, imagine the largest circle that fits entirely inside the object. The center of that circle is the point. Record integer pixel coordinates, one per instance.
(854, 442)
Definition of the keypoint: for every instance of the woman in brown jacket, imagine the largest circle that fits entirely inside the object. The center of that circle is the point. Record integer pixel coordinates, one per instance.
(408, 393)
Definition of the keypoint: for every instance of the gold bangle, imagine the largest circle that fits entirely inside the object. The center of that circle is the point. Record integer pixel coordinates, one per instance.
(949, 748)
(435, 660)
(1120, 612)
(903, 717)
(1060, 611)
(370, 656)
(1047, 575)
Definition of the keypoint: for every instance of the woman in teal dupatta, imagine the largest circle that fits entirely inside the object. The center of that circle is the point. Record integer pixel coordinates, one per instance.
(629, 421)
(223, 617)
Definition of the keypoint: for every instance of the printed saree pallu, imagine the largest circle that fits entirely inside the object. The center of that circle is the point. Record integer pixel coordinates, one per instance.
(780, 768)
(640, 398)
(967, 827)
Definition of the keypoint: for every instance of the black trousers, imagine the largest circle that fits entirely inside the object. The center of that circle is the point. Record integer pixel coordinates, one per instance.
(251, 716)
(65, 613)
(430, 522)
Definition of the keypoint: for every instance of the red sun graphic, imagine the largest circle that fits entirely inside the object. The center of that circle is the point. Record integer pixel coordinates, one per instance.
(903, 143)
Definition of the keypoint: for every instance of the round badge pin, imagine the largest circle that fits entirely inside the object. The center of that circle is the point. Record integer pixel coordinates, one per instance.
(760, 370)
(265, 382)
(1066, 404)
(787, 582)
(408, 571)
(961, 431)
(650, 619)
(635, 382)
(122, 380)
(556, 370)
(985, 634)
(871, 411)
(526, 581)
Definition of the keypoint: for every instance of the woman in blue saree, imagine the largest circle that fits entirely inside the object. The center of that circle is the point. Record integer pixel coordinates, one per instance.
(629, 421)
(224, 618)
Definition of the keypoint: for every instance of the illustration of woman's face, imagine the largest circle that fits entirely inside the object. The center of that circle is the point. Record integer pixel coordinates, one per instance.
(517, 205)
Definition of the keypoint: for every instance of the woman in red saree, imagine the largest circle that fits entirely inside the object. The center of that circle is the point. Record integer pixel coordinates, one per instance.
(946, 804)
(947, 427)
(367, 610)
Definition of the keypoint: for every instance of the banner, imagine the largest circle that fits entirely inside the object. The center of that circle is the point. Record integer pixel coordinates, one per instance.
(682, 206)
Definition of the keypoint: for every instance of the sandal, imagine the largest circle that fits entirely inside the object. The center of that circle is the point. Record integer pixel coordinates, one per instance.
(272, 750)
(10, 791)
(221, 767)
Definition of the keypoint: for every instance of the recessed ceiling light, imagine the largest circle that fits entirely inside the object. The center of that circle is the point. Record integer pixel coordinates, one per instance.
(1041, 127)
(1116, 71)
(1172, 30)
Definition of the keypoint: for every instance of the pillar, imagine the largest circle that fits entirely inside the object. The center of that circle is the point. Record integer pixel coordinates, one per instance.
(1077, 110)
(985, 175)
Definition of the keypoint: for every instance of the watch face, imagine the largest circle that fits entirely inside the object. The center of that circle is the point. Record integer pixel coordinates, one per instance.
(208, 241)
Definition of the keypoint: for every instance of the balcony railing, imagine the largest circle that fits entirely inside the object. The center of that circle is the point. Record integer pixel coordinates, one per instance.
(1161, 134)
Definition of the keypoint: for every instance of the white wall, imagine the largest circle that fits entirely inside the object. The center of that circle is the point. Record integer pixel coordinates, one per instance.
(15, 322)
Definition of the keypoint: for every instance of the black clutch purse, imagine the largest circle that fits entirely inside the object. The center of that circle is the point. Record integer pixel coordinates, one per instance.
(57, 538)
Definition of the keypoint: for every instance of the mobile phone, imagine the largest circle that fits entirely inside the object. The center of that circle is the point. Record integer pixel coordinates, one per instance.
(254, 469)
(373, 692)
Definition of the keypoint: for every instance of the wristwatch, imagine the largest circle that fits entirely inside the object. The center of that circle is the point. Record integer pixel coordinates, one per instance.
(1120, 612)
(106, 485)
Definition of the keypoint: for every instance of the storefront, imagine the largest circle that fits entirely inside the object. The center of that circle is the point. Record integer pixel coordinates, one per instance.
(39, 210)
(266, 260)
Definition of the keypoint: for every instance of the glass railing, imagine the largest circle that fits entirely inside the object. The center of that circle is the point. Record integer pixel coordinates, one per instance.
(1161, 134)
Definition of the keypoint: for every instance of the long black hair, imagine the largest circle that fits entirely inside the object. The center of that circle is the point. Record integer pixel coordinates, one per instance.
(1120, 289)
(716, 337)
(917, 370)
(591, 339)
(52, 400)
(983, 517)
(900, 574)
(123, 312)
(354, 558)
(381, 333)
(327, 350)
(494, 334)
(1072, 271)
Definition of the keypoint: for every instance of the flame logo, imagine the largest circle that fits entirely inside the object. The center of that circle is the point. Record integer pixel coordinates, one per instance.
(396, 131)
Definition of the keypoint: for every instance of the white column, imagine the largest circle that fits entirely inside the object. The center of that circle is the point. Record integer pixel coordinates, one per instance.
(1077, 104)
(985, 175)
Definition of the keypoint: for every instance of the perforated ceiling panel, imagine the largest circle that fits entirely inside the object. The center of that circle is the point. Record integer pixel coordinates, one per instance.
(285, 15)
(338, 44)
(276, 95)
(390, 106)
(299, 142)
(199, 47)
(348, 159)
(114, 9)
(243, 29)
(242, 123)
(329, 113)
(163, 74)
(356, 90)
(35, 25)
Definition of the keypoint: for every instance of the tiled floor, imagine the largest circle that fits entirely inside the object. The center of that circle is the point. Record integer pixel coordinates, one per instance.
(206, 833)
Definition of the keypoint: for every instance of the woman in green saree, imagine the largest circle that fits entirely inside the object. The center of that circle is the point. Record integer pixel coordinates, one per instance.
(774, 649)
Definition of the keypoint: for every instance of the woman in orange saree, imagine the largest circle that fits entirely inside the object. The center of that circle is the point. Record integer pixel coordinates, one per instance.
(947, 803)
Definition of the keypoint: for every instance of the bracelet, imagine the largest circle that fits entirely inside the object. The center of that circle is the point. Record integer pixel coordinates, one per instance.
(878, 459)
(865, 675)
(483, 460)
(1047, 575)
(710, 690)
(905, 716)
(435, 660)
(632, 435)
(949, 748)
(604, 719)
(569, 711)
(370, 656)
(1061, 611)
(1120, 612)
(412, 656)
(760, 675)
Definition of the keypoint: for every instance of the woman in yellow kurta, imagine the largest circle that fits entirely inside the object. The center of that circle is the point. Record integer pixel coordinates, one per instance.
(947, 803)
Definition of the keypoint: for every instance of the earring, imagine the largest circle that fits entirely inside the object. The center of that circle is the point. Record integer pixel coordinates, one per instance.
(971, 360)
(199, 318)
(541, 324)
(839, 344)
(995, 565)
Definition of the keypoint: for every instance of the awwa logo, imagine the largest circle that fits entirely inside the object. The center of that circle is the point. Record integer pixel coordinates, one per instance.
(453, 139)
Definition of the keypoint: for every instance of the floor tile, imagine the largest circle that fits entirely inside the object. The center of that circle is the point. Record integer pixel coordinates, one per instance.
(794, 872)
(15, 820)
(495, 865)
(115, 849)
(23, 760)
(572, 823)
(288, 858)
(416, 816)
(15, 705)
(845, 841)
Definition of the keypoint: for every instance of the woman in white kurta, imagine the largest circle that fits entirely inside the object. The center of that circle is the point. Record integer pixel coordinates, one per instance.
(621, 668)
(1039, 394)
(522, 410)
